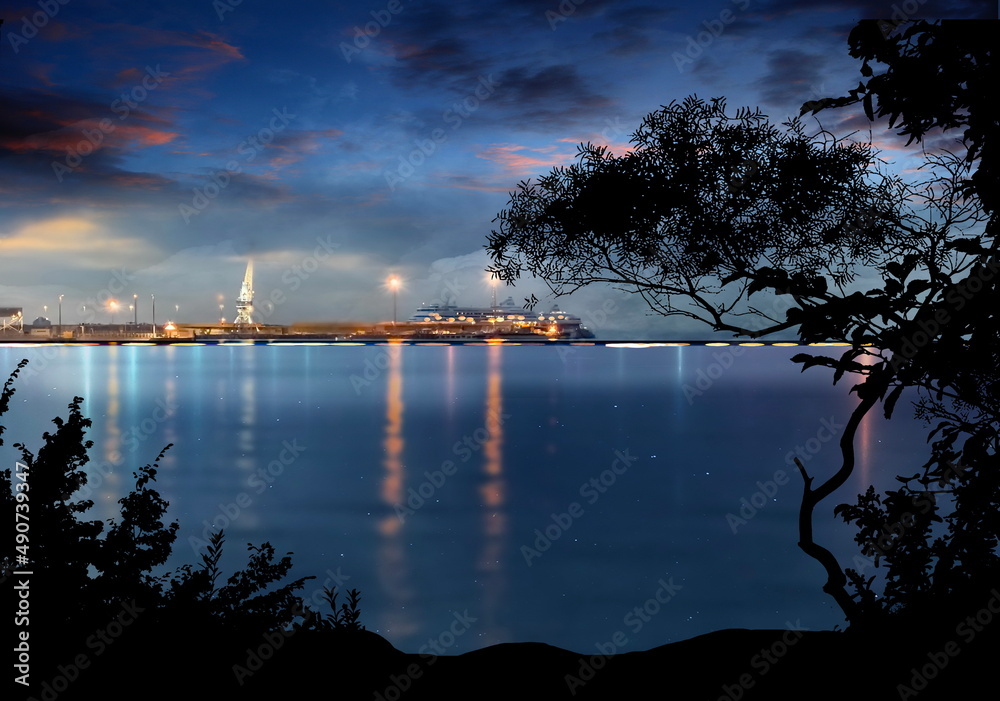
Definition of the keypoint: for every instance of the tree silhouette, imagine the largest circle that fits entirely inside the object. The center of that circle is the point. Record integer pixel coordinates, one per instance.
(708, 213)
(705, 210)
(935, 77)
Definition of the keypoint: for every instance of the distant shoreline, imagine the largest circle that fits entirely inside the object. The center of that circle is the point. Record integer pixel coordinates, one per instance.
(383, 340)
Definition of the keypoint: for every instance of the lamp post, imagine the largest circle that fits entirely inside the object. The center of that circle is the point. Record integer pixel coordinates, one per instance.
(394, 285)
(222, 319)
(60, 315)
(113, 306)
(135, 310)
(153, 300)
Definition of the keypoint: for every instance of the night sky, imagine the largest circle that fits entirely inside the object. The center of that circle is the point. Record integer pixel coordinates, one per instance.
(150, 148)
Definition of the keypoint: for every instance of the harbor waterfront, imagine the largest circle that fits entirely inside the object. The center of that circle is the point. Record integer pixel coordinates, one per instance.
(538, 493)
(434, 321)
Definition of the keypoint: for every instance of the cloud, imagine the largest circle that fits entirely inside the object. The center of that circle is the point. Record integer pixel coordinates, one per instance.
(551, 97)
(879, 9)
(515, 160)
(792, 77)
(85, 239)
(634, 30)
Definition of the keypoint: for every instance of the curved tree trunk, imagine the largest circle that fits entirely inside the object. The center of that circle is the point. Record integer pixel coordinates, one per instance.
(836, 579)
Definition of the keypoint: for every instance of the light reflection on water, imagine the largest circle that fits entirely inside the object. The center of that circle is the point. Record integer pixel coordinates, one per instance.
(538, 423)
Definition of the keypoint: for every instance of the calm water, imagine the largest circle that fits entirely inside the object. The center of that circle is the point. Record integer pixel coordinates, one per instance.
(430, 477)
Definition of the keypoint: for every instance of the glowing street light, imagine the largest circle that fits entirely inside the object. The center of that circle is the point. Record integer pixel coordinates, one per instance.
(135, 310)
(152, 299)
(394, 286)
(222, 318)
(113, 307)
(60, 313)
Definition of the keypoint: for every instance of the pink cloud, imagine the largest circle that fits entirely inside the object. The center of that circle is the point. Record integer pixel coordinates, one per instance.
(515, 160)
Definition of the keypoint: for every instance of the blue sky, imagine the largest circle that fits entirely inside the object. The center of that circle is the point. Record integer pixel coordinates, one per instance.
(153, 149)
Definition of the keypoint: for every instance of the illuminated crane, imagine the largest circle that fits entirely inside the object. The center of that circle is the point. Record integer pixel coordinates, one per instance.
(244, 303)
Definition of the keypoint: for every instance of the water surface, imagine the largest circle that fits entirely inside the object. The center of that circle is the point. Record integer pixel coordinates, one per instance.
(557, 494)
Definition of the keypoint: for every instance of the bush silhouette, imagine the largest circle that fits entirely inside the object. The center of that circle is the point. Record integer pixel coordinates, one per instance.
(86, 573)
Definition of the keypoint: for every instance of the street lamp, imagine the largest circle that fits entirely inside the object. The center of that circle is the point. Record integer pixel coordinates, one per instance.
(135, 310)
(222, 319)
(153, 300)
(60, 314)
(113, 306)
(394, 285)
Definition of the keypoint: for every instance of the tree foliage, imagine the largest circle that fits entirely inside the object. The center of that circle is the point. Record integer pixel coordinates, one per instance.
(933, 77)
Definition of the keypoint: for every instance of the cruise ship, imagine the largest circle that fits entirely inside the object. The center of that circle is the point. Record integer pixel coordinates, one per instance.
(504, 319)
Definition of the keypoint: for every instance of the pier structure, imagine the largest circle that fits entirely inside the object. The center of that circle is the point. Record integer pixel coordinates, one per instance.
(11, 320)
